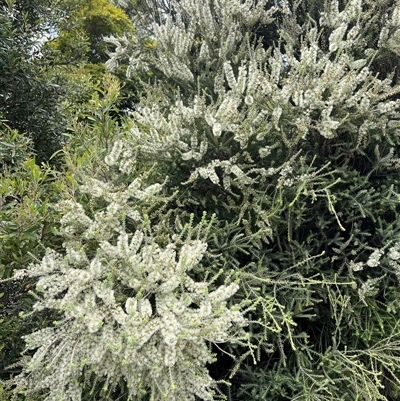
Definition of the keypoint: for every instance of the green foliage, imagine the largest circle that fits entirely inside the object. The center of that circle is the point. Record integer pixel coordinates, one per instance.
(79, 50)
(13, 147)
(81, 33)
(25, 192)
(27, 227)
(41, 89)
(28, 93)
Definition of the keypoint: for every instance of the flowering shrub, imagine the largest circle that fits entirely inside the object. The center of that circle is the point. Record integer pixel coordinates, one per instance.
(131, 312)
(293, 148)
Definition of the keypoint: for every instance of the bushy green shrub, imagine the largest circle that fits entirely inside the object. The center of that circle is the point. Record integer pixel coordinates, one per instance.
(292, 151)
(26, 229)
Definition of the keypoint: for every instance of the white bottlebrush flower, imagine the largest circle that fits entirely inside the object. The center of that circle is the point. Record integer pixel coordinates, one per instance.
(357, 64)
(223, 293)
(190, 255)
(265, 151)
(249, 100)
(374, 259)
(335, 39)
(394, 254)
(356, 267)
(230, 76)
(217, 129)
(97, 269)
(204, 51)
(276, 115)
(258, 120)
(352, 34)
(394, 251)
(94, 322)
(94, 187)
(145, 308)
(209, 172)
(131, 306)
(112, 157)
(383, 37)
(395, 17)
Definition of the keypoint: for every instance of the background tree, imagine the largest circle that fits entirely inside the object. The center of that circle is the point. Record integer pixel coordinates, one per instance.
(79, 48)
(82, 31)
(28, 93)
(37, 43)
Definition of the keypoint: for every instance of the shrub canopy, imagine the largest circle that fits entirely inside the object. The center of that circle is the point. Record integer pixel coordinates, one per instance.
(279, 161)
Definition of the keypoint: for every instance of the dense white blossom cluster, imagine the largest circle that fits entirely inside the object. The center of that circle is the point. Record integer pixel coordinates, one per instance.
(324, 90)
(392, 259)
(131, 312)
(387, 257)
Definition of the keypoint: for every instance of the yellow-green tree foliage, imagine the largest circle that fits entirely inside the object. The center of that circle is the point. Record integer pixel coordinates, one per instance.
(82, 31)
